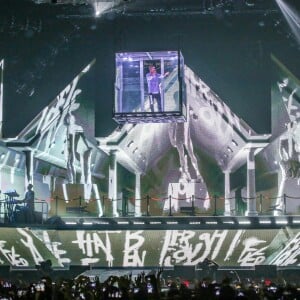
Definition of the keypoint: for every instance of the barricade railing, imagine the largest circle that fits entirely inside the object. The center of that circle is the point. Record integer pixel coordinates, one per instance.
(167, 205)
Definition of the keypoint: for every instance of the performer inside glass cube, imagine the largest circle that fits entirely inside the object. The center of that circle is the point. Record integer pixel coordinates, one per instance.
(154, 87)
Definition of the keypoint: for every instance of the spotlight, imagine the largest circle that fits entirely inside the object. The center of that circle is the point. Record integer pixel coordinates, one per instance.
(129, 144)
(211, 222)
(229, 149)
(242, 222)
(250, 3)
(291, 16)
(87, 223)
(265, 222)
(228, 222)
(234, 143)
(281, 222)
(134, 150)
(71, 223)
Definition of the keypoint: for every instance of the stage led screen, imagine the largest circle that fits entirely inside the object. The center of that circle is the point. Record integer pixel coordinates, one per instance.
(146, 248)
(149, 84)
(282, 157)
(279, 163)
(63, 147)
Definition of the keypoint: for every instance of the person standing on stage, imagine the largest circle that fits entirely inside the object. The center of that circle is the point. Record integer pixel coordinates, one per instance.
(29, 204)
(27, 207)
(154, 87)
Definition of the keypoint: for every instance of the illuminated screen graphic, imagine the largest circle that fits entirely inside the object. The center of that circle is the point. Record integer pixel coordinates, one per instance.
(142, 248)
(61, 141)
(150, 83)
(280, 169)
(286, 134)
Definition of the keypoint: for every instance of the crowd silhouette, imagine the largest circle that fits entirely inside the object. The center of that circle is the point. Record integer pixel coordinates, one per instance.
(152, 286)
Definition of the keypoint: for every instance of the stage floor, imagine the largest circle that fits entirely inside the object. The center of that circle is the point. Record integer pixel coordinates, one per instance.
(176, 222)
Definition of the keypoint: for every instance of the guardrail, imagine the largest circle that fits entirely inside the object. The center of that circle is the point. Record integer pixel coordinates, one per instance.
(170, 206)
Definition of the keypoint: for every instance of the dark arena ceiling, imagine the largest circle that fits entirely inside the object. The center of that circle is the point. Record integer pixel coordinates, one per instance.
(227, 43)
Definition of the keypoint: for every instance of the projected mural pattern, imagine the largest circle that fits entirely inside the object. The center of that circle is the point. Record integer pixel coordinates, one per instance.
(58, 130)
(282, 156)
(61, 141)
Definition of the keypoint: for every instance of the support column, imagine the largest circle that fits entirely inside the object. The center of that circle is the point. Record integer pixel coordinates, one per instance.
(137, 207)
(251, 189)
(142, 85)
(112, 185)
(227, 201)
(28, 167)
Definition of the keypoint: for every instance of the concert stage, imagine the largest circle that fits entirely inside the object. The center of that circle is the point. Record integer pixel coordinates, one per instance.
(218, 189)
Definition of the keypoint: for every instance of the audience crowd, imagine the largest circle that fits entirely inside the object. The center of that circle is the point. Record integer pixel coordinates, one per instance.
(146, 287)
